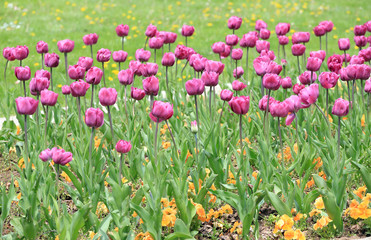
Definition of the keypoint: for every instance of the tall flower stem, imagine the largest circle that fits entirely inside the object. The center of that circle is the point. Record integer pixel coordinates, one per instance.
(320, 43)
(119, 66)
(134, 108)
(176, 67)
(24, 88)
(57, 183)
(323, 114)
(25, 139)
(298, 64)
(196, 142)
(185, 65)
(326, 101)
(345, 58)
(247, 62)
(126, 109)
(91, 52)
(155, 147)
(167, 79)
(37, 112)
(79, 109)
(110, 122)
(6, 66)
(279, 133)
(51, 77)
(186, 41)
(261, 86)
(66, 65)
(284, 52)
(171, 133)
(326, 42)
(198, 122)
(348, 91)
(90, 150)
(122, 43)
(297, 131)
(339, 125)
(241, 145)
(354, 85)
(266, 113)
(210, 91)
(66, 107)
(20, 63)
(104, 77)
(46, 125)
(151, 102)
(145, 43)
(42, 60)
(92, 96)
(278, 50)
(120, 170)
(221, 113)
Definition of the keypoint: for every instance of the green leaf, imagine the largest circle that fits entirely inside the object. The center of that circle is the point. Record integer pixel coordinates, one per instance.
(278, 204)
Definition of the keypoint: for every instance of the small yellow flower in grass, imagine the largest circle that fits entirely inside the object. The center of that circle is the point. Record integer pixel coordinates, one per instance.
(91, 234)
(16, 184)
(319, 203)
(299, 235)
(363, 121)
(335, 37)
(58, 18)
(83, 9)
(314, 212)
(284, 223)
(110, 78)
(19, 196)
(124, 180)
(235, 225)
(166, 145)
(59, 85)
(66, 177)
(321, 223)
(209, 24)
(360, 191)
(116, 72)
(101, 209)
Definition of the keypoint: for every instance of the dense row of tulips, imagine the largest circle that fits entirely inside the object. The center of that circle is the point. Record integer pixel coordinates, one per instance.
(275, 99)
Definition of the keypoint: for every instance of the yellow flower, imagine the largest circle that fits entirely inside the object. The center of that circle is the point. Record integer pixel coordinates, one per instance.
(16, 184)
(298, 217)
(166, 145)
(101, 209)
(235, 225)
(227, 209)
(66, 177)
(360, 191)
(319, 203)
(314, 212)
(200, 212)
(299, 235)
(321, 223)
(124, 180)
(285, 223)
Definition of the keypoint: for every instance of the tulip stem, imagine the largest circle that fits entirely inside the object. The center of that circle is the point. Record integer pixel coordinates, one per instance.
(51, 77)
(176, 67)
(362, 90)
(262, 87)
(110, 122)
(156, 140)
(221, 113)
(196, 147)
(348, 91)
(133, 108)
(104, 77)
(92, 95)
(65, 64)
(298, 64)
(323, 114)
(169, 47)
(167, 78)
(154, 56)
(339, 125)
(297, 131)
(284, 52)
(354, 83)
(37, 112)
(266, 114)
(326, 42)
(79, 109)
(281, 144)
(247, 63)
(145, 43)
(46, 124)
(122, 43)
(198, 123)
(25, 139)
(24, 88)
(210, 91)
(171, 133)
(368, 109)
(345, 58)
(184, 68)
(326, 101)
(151, 102)
(320, 43)
(186, 41)
(20, 63)
(57, 183)
(90, 149)
(241, 145)
(6, 66)
(42, 60)
(278, 50)
(120, 169)
(126, 109)
(91, 52)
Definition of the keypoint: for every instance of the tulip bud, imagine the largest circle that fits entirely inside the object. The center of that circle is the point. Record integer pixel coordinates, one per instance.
(341, 107)
(26, 105)
(48, 98)
(94, 117)
(42, 47)
(103, 55)
(122, 30)
(107, 96)
(194, 127)
(123, 146)
(66, 46)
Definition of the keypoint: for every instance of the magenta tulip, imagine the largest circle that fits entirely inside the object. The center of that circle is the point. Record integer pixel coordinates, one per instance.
(264, 34)
(226, 95)
(282, 29)
(298, 49)
(26, 105)
(286, 83)
(78, 88)
(271, 81)
(66, 90)
(305, 78)
(107, 96)
(90, 39)
(240, 105)
(48, 98)
(309, 95)
(260, 24)
(42, 47)
(137, 93)
(38, 84)
(151, 31)
(234, 23)
(76, 72)
(20, 52)
(328, 79)
(187, 31)
(85, 62)
(161, 111)
(42, 73)
(341, 107)
(231, 40)
(94, 75)
(334, 63)
(122, 30)
(238, 72)
(66, 46)
(344, 44)
(262, 45)
(195, 87)
(123, 146)
(151, 85)
(22, 73)
(51, 60)
(103, 55)
(168, 59)
(313, 64)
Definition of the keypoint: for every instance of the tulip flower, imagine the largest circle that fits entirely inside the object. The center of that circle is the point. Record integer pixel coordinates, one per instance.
(366, 54)
(150, 33)
(93, 77)
(48, 98)
(234, 23)
(161, 111)
(298, 50)
(328, 27)
(260, 24)
(90, 40)
(187, 31)
(120, 57)
(23, 74)
(306, 78)
(51, 61)
(122, 147)
(279, 110)
(262, 45)
(108, 97)
(240, 105)
(360, 41)
(248, 41)
(26, 106)
(264, 34)
(151, 87)
(78, 89)
(196, 87)
(328, 80)
(94, 118)
(238, 86)
(334, 63)
(20, 53)
(38, 84)
(238, 72)
(137, 94)
(76, 72)
(225, 95)
(42, 48)
(8, 54)
(122, 31)
(319, 31)
(65, 46)
(340, 109)
(85, 62)
(103, 55)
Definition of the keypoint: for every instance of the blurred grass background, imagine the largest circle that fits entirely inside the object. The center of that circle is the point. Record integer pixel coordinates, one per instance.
(25, 22)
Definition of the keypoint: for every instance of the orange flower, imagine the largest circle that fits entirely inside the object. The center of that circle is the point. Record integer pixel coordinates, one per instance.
(318, 162)
(319, 203)
(200, 212)
(284, 223)
(227, 209)
(314, 212)
(360, 191)
(18, 130)
(66, 177)
(165, 202)
(321, 223)
(299, 235)
(289, 234)
(309, 184)
(235, 225)
(143, 236)
(168, 217)
(298, 217)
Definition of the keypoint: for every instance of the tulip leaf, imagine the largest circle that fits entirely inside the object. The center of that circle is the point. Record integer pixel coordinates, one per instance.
(278, 204)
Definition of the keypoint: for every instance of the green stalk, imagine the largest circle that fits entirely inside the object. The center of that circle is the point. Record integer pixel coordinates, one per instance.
(120, 170)
(156, 141)
(46, 125)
